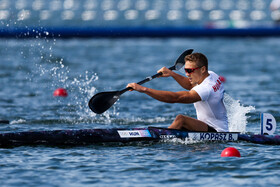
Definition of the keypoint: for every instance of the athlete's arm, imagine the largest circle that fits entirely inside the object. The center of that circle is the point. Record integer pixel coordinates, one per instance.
(168, 96)
(181, 80)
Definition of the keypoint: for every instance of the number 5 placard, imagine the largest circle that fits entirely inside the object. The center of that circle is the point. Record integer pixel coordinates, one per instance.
(268, 124)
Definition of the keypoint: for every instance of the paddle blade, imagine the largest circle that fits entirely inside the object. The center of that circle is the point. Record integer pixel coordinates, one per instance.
(180, 62)
(101, 102)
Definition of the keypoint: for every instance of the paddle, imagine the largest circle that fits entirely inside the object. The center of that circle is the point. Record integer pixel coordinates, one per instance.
(102, 101)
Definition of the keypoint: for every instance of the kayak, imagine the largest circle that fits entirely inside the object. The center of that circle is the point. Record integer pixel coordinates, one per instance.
(93, 136)
(150, 134)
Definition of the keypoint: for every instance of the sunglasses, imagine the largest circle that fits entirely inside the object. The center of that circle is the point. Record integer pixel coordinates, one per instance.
(191, 70)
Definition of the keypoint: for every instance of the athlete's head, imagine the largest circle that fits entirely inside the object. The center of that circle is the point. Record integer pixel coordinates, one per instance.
(198, 58)
(196, 67)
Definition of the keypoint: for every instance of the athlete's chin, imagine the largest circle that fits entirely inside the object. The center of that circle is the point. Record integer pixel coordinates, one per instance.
(193, 83)
(191, 80)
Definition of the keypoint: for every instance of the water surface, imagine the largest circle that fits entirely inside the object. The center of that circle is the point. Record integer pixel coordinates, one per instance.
(30, 70)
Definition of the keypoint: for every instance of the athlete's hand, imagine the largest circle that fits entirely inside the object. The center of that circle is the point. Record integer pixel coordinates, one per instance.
(136, 87)
(165, 72)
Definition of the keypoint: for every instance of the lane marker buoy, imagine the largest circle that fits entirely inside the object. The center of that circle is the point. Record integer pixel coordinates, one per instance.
(60, 92)
(230, 152)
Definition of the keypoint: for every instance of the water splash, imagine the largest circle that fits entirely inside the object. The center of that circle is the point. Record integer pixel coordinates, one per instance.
(80, 88)
(19, 121)
(236, 114)
(83, 88)
(186, 141)
(52, 69)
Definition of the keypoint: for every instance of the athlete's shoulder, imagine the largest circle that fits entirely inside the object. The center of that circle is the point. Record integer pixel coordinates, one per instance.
(213, 74)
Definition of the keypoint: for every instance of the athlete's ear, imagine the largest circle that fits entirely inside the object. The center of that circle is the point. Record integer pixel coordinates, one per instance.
(203, 69)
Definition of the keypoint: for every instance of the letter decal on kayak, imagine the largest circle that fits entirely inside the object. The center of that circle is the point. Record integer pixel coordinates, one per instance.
(134, 133)
(213, 136)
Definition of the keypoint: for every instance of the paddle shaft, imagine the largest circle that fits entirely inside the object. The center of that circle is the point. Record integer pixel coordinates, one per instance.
(147, 79)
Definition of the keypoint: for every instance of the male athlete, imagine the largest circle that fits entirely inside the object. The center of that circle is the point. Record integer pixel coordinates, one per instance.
(206, 91)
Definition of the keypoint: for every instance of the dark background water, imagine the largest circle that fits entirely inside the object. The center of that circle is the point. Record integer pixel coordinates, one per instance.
(30, 70)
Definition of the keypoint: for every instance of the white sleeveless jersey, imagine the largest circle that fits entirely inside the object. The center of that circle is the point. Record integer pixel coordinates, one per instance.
(211, 108)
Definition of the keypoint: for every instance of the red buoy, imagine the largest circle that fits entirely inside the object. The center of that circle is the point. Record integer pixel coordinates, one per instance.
(230, 152)
(60, 92)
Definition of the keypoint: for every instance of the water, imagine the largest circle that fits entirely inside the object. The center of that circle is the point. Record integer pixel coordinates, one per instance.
(30, 70)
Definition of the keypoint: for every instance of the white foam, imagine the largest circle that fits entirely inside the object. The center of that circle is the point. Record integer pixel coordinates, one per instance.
(236, 114)
(19, 121)
(186, 141)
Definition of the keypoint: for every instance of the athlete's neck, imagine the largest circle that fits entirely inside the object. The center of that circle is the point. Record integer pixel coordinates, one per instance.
(204, 76)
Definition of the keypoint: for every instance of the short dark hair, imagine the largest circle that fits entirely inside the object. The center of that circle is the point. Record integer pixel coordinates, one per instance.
(198, 58)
